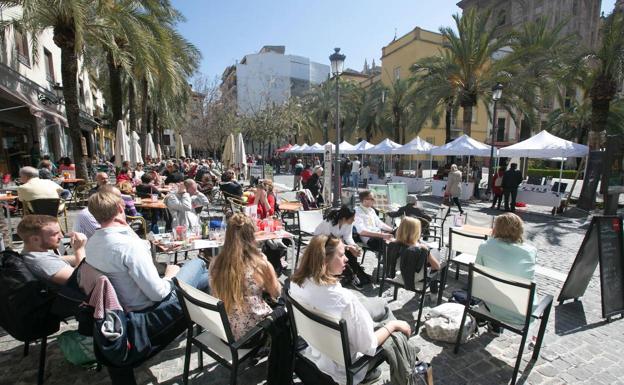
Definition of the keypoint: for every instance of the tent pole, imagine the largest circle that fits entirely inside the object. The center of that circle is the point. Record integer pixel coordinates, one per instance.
(430, 166)
(560, 174)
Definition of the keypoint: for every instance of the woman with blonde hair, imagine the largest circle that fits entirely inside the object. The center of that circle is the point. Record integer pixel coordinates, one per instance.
(240, 274)
(408, 234)
(453, 186)
(316, 284)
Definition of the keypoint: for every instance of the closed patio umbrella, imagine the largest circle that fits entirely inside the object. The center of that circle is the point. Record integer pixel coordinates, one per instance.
(240, 157)
(135, 149)
(180, 153)
(122, 149)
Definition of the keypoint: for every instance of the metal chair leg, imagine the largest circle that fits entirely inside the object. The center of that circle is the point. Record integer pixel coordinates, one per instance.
(26, 348)
(42, 360)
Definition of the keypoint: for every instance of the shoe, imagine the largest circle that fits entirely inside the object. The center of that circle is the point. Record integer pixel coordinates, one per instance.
(434, 287)
(496, 331)
(371, 377)
(365, 279)
(356, 284)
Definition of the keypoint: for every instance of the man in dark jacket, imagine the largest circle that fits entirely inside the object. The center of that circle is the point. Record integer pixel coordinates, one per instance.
(511, 180)
(411, 210)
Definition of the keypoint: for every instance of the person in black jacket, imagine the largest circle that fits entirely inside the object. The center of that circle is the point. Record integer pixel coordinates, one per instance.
(230, 186)
(411, 210)
(511, 180)
(315, 184)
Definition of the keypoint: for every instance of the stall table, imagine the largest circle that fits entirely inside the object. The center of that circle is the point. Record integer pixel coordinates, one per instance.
(438, 188)
(414, 185)
(539, 196)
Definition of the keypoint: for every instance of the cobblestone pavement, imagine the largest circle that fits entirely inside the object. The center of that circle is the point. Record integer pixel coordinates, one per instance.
(580, 347)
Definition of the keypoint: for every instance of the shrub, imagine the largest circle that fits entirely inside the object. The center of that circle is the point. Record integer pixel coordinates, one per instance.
(567, 174)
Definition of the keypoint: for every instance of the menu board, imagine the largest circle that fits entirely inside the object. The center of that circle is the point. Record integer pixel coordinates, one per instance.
(603, 244)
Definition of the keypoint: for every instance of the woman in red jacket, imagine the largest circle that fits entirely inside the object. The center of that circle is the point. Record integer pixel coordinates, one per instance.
(497, 187)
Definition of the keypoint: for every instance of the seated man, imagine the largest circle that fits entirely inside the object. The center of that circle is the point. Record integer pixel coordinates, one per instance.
(183, 202)
(101, 179)
(412, 210)
(117, 252)
(41, 234)
(173, 174)
(45, 170)
(147, 188)
(34, 188)
(368, 225)
(229, 186)
(85, 223)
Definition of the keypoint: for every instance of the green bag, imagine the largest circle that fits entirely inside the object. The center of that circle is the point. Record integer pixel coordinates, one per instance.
(77, 348)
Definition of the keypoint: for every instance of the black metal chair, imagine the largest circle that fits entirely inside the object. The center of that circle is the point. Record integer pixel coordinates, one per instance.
(329, 336)
(213, 334)
(510, 294)
(52, 207)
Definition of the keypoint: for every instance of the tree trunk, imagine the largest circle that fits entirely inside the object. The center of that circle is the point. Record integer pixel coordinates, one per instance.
(599, 115)
(468, 118)
(116, 91)
(397, 127)
(155, 129)
(448, 119)
(69, 73)
(144, 113)
(132, 106)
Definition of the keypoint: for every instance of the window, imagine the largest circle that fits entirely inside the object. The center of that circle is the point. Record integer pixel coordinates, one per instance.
(397, 73)
(166, 140)
(500, 130)
(21, 46)
(81, 93)
(49, 65)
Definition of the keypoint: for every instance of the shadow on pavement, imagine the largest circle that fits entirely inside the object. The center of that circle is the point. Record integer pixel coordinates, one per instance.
(570, 318)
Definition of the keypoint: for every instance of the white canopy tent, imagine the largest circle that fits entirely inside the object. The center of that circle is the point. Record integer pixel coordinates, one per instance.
(122, 149)
(359, 148)
(345, 147)
(546, 145)
(315, 149)
(304, 147)
(384, 148)
(463, 146)
(415, 147)
(293, 149)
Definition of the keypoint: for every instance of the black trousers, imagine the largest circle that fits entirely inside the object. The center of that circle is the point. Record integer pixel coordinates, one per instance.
(497, 199)
(513, 193)
(376, 244)
(456, 201)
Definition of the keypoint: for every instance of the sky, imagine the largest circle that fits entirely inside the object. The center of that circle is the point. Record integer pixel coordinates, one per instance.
(226, 31)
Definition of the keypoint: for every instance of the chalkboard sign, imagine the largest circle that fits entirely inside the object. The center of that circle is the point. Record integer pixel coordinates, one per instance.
(602, 244)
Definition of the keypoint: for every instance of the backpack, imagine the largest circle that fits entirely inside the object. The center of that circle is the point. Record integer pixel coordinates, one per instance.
(25, 301)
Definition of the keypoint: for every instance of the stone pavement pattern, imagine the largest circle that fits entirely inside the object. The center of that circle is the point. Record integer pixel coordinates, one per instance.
(580, 347)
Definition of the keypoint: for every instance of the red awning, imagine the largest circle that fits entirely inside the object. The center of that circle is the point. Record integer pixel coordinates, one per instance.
(284, 148)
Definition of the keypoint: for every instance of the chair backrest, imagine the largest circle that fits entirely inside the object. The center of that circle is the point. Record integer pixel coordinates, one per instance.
(138, 224)
(465, 243)
(204, 310)
(418, 276)
(504, 290)
(443, 212)
(309, 220)
(323, 332)
(43, 206)
(236, 208)
(288, 196)
(479, 219)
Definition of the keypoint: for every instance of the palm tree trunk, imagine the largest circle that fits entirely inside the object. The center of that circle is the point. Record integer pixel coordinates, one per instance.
(600, 112)
(468, 119)
(132, 106)
(69, 73)
(448, 119)
(116, 91)
(397, 128)
(155, 130)
(144, 114)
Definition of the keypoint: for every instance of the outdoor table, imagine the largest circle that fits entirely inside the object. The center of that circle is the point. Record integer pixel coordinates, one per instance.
(539, 198)
(474, 230)
(290, 206)
(5, 199)
(149, 204)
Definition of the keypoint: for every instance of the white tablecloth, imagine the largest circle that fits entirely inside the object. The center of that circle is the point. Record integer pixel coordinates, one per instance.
(414, 185)
(548, 198)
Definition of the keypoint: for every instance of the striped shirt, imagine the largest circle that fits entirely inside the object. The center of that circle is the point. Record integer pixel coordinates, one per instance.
(85, 223)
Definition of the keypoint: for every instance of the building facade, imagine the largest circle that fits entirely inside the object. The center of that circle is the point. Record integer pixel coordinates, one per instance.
(271, 76)
(396, 59)
(32, 114)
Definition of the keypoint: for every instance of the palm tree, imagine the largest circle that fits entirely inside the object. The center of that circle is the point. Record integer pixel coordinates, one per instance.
(371, 117)
(608, 64)
(319, 102)
(399, 102)
(471, 50)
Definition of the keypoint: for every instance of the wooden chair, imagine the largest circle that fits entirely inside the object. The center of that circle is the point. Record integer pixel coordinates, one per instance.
(214, 335)
(329, 336)
(511, 294)
(52, 207)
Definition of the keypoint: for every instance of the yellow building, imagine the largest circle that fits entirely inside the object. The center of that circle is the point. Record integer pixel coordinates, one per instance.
(396, 60)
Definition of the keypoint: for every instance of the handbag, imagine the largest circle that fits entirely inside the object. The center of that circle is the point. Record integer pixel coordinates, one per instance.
(76, 348)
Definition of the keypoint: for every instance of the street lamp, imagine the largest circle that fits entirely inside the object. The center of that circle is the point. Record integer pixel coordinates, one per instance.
(58, 93)
(497, 92)
(337, 63)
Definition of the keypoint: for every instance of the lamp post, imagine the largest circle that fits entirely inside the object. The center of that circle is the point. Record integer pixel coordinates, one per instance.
(58, 93)
(497, 92)
(337, 62)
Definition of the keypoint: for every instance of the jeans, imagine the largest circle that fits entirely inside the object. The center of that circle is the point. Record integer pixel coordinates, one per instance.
(345, 179)
(513, 193)
(161, 316)
(355, 179)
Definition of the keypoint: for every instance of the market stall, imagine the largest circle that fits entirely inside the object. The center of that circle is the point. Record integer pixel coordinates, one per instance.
(544, 146)
(462, 146)
(384, 148)
(416, 146)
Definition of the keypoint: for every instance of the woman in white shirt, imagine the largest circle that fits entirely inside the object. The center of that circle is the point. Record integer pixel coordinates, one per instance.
(314, 284)
(339, 223)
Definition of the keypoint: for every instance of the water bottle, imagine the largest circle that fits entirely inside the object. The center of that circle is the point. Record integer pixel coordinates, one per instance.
(204, 217)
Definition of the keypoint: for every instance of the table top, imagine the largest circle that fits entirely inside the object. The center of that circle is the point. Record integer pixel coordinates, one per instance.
(290, 206)
(475, 230)
(72, 180)
(198, 244)
(149, 204)
(4, 197)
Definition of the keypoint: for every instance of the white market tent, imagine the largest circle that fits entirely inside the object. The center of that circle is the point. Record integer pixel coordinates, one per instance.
(463, 146)
(384, 148)
(315, 149)
(304, 147)
(546, 145)
(345, 147)
(415, 146)
(293, 149)
(358, 148)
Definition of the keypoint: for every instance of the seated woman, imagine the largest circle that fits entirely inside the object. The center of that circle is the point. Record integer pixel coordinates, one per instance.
(508, 253)
(315, 284)
(264, 198)
(124, 175)
(339, 223)
(128, 198)
(147, 188)
(239, 276)
(413, 253)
